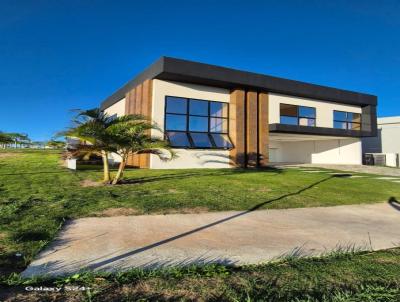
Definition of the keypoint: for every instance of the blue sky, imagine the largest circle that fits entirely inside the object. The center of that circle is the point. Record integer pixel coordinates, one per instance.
(60, 55)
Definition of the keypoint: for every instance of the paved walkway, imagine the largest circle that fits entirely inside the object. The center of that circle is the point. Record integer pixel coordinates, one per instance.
(226, 237)
(357, 168)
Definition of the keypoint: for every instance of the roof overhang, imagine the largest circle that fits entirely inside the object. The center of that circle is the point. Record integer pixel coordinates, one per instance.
(171, 69)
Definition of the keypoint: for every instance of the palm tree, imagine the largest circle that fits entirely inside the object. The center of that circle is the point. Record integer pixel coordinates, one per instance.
(130, 135)
(90, 128)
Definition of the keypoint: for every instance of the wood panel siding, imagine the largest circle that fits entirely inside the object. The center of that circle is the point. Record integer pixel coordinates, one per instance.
(146, 111)
(251, 129)
(248, 128)
(138, 101)
(263, 129)
(237, 128)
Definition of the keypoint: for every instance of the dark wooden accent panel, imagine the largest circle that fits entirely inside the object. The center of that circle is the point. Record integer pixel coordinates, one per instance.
(251, 128)
(138, 101)
(146, 111)
(237, 128)
(263, 129)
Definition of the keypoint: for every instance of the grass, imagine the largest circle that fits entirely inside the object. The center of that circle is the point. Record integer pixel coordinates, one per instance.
(357, 277)
(37, 196)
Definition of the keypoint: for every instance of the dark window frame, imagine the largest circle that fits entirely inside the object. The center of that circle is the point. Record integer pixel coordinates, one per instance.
(188, 131)
(298, 116)
(346, 121)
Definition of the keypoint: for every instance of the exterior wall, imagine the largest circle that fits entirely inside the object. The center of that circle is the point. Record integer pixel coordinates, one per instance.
(389, 129)
(332, 151)
(118, 108)
(187, 158)
(324, 110)
(387, 140)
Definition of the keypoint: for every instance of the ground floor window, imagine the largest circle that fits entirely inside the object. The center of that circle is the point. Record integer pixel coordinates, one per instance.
(193, 123)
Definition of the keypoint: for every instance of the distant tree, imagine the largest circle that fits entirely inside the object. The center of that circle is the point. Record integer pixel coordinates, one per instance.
(5, 139)
(56, 144)
(19, 138)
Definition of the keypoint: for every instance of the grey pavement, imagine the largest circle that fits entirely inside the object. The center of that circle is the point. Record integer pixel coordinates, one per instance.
(378, 170)
(236, 238)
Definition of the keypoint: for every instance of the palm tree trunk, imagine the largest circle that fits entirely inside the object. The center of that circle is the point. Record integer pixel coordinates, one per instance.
(121, 169)
(106, 168)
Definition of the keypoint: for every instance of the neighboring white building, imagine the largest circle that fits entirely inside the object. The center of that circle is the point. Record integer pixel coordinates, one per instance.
(387, 140)
(218, 117)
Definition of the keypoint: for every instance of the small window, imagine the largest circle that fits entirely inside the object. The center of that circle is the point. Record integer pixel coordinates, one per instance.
(198, 123)
(218, 109)
(297, 115)
(219, 125)
(201, 140)
(310, 122)
(289, 120)
(339, 116)
(222, 140)
(346, 120)
(175, 122)
(197, 107)
(176, 105)
(288, 110)
(307, 112)
(178, 139)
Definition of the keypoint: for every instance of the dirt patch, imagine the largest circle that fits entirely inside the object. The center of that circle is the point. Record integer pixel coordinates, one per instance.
(118, 212)
(5, 155)
(90, 183)
(2, 235)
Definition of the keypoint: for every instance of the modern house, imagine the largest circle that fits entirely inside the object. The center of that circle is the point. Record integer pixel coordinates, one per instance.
(386, 145)
(218, 117)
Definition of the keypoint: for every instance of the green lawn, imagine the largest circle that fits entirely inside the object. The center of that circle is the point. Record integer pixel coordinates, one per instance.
(37, 195)
(339, 277)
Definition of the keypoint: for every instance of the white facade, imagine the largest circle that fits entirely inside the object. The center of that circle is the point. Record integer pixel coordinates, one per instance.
(118, 108)
(288, 148)
(195, 158)
(315, 149)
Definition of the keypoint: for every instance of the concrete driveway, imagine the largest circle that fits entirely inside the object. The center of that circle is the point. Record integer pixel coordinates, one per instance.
(236, 238)
(378, 170)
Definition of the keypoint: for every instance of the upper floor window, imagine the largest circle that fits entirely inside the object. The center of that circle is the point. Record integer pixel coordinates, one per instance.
(346, 120)
(192, 123)
(297, 115)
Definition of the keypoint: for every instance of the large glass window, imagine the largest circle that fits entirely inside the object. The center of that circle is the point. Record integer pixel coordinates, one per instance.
(346, 120)
(192, 123)
(297, 115)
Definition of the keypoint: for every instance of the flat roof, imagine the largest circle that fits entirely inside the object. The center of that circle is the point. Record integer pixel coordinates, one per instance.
(172, 69)
(389, 120)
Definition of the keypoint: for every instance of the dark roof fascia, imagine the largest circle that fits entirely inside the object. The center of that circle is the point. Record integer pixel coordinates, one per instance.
(179, 70)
